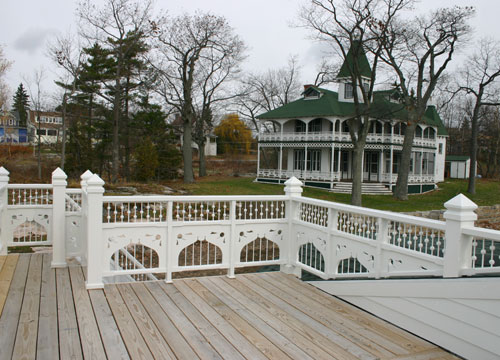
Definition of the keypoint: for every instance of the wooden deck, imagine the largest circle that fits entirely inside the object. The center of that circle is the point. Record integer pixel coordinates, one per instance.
(48, 314)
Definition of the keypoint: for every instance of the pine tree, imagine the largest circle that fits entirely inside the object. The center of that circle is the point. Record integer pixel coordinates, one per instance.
(21, 105)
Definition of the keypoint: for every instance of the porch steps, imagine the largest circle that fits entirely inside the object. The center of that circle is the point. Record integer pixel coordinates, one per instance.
(366, 188)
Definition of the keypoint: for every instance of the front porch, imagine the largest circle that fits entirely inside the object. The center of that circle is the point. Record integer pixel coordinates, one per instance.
(47, 313)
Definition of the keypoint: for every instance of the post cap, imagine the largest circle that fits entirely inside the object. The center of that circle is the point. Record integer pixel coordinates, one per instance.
(59, 174)
(4, 171)
(86, 175)
(293, 186)
(460, 208)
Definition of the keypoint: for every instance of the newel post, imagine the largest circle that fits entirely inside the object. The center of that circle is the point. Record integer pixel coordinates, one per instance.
(95, 191)
(59, 218)
(293, 190)
(83, 184)
(4, 182)
(458, 254)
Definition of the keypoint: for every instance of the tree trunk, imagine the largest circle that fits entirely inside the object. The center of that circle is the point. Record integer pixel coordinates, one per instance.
(127, 133)
(187, 151)
(401, 189)
(202, 170)
(63, 145)
(471, 189)
(115, 154)
(357, 173)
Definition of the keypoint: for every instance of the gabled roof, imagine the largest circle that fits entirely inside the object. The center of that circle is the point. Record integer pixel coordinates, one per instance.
(328, 104)
(356, 51)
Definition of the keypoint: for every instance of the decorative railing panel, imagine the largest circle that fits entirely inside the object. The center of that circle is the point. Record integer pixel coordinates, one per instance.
(29, 195)
(416, 237)
(357, 224)
(485, 250)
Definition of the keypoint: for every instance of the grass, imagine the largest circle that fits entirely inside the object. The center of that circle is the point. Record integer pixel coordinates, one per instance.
(487, 193)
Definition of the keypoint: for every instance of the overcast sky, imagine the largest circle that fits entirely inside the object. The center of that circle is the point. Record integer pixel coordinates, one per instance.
(264, 25)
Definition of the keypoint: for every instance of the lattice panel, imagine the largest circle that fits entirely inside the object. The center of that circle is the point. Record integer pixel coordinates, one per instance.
(200, 253)
(29, 231)
(259, 210)
(313, 214)
(261, 249)
(310, 256)
(417, 238)
(201, 211)
(357, 224)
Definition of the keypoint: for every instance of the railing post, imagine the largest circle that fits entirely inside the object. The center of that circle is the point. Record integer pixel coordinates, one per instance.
(232, 239)
(331, 249)
(293, 190)
(95, 191)
(458, 246)
(382, 238)
(170, 242)
(59, 218)
(4, 195)
(83, 184)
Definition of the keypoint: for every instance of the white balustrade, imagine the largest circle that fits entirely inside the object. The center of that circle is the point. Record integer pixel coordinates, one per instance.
(138, 236)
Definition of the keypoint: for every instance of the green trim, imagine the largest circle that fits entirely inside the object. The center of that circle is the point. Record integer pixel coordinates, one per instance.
(461, 158)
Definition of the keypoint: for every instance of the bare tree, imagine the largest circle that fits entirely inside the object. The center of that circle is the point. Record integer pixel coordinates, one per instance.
(269, 90)
(419, 51)
(66, 53)
(195, 55)
(4, 90)
(349, 25)
(121, 26)
(478, 79)
(37, 100)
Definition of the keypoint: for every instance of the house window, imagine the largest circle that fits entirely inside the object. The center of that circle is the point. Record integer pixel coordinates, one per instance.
(41, 132)
(315, 125)
(348, 91)
(418, 132)
(429, 133)
(314, 160)
(345, 127)
(396, 158)
(298, 159)
(440, 149)
(52, 132)
(300, 126)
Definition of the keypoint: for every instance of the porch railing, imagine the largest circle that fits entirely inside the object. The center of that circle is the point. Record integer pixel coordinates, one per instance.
(139, 237)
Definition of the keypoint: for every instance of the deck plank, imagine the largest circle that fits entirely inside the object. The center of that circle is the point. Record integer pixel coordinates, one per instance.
(7, 266)
(27, 328)
(170, 333)
(252, 334)
(48, 340)
(219, 342)
(136, 346)
(245, 347)
(89, 332)
(110, 335)
(200, 345)
(370, 340)
(156, 343)
(318, 336)
(69, 338)
(410, 341)
(12, 308)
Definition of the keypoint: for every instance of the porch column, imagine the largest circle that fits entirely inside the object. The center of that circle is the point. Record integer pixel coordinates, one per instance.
(339, 171)
(391, 162)
(380, 164)
(59, 218)
(421, 167)
(4, 182)
(280, 160)
(258, 156)
(333, 154)
(305, 152)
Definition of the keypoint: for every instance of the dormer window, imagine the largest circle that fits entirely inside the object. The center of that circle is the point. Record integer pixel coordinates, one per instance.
(348, 91)
(311, 92)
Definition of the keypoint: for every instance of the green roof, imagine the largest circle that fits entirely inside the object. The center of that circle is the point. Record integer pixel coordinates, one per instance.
(457, 158)
(434, 119)
(319, 102)
(356, 51)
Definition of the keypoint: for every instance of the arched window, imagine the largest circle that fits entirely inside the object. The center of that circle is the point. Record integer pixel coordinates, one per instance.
(418, 132)
(315, 125)
(337, 125)
(387, 128)
(429, 133)
(300, 126)
(345, 126)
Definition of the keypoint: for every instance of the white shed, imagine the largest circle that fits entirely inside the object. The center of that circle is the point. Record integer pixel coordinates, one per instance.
(457, 166)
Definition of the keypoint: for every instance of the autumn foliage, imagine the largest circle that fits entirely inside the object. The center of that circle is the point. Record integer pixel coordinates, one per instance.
(233, 136)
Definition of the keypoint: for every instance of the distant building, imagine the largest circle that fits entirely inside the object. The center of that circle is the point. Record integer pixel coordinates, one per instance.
(457, 166)
(47, 124)
(10, 131)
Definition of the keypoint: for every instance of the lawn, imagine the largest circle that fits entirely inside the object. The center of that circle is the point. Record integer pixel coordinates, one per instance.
(487, 193)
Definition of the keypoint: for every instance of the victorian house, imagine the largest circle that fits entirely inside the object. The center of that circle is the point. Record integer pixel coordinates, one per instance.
(309, 138)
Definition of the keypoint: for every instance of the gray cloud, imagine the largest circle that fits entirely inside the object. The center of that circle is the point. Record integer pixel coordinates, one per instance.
(32, 39)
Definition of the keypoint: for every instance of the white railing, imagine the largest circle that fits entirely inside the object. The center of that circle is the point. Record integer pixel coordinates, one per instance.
(341, 136)
(133, 236)
(299, 174)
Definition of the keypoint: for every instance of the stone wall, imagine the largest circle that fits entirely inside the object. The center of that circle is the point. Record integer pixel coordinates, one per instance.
(487, 216)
